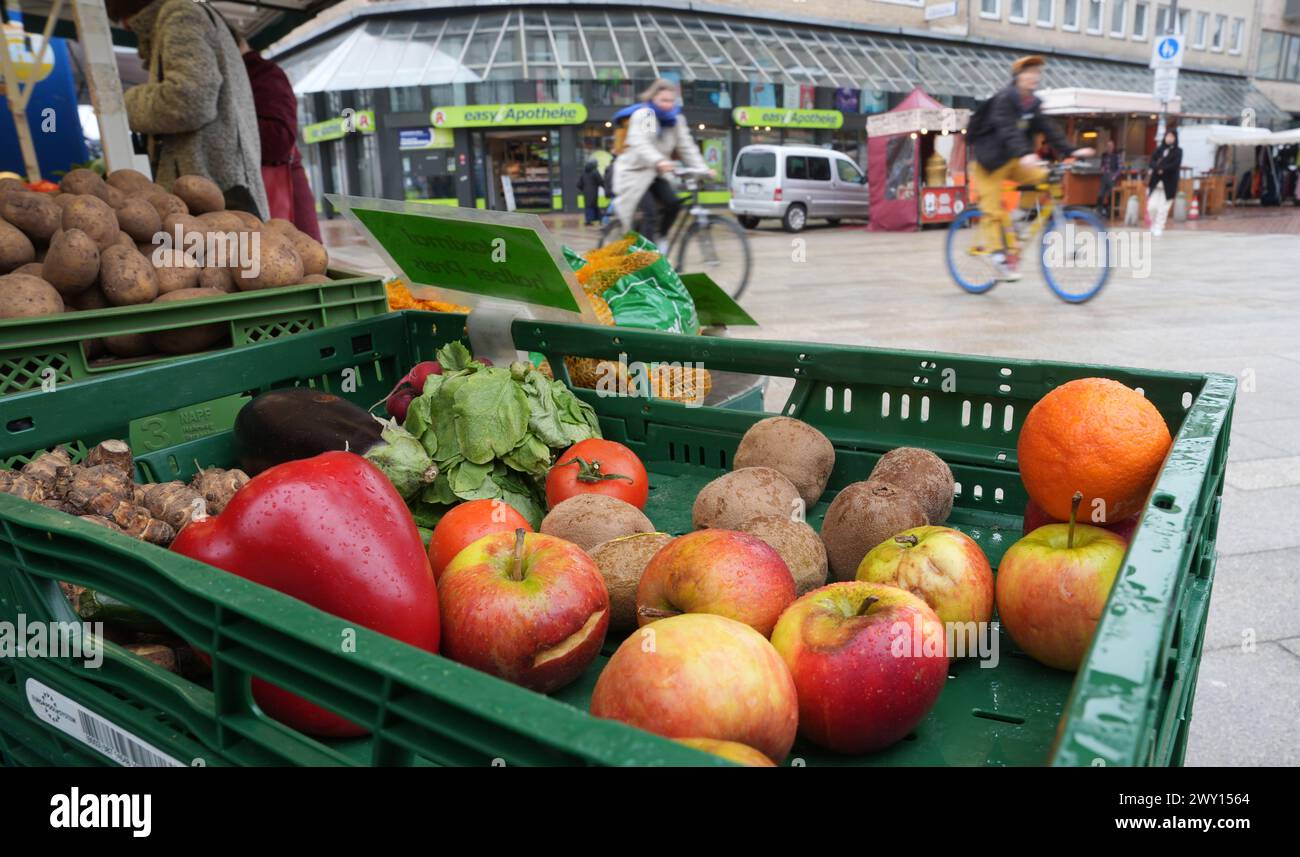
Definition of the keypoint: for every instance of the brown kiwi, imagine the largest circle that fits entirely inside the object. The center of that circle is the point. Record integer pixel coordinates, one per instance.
(921, 472)
(862, 516)
(589, 519)
(738, 496)
(797, 543)
(621, 561)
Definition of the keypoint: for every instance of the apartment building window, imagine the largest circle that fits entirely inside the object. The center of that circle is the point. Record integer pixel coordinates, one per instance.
(1183, 19)
(1118, 14)
(990, 8)
(1238, 35)
(1162, 20)
(1094, 17)
(1141, 10)
(1019, 12)
(1046, 13)
(1202, 26)
(1216, 42)
(1070, 15)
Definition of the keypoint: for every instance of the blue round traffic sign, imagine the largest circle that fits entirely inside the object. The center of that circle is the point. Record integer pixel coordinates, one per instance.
(1167, 48)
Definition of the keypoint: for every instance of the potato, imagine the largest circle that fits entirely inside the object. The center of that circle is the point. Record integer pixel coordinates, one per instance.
(316, 279)
(314, 258)
(35, 269)
(187, 223)
(112, 196)
(175, 270)
(127, 277)
(35, 214)
(129, 181)
(275, 263)
(249, 221)
(137, 218)
(83, 181)
(15, 248)
(187, 340)
(126, 240)
(128, 345)
(94, 217)
(201, 195)
(94, 348)
(25, 296)
(279, 224)
(12, 186)
(91, 298)
(167, 203)
(217, 278)
(63, 200)
(72, 263)
(223, 221)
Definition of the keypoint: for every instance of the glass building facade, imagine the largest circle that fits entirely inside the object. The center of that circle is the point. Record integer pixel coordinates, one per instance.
(404, 66)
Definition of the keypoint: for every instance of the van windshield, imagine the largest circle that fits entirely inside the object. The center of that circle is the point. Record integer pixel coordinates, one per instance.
(756, 165)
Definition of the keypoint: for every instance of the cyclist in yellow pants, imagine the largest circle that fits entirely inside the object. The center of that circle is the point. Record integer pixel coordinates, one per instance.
(1002, 132)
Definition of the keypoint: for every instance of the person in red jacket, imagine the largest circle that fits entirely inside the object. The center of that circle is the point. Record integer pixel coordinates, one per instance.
(277, 122)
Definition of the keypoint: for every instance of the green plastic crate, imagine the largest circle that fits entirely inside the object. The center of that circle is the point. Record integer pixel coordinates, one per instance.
(1129, 705)
(50, 349)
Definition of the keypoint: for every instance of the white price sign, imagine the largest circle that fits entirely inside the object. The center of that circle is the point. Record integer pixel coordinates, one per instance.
(1166, 84)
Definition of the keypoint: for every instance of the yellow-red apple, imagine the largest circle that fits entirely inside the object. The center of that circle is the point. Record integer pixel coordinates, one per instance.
(700, 675)
(725, 572)
(1052, 588)
(741, 754)
(942, 566)
(526, 607)
(868, 660)
(1036, 516)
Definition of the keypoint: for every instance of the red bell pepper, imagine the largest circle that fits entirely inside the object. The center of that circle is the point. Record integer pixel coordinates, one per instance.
(332, 531)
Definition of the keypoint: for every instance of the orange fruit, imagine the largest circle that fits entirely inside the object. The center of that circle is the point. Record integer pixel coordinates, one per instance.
(1096, 436)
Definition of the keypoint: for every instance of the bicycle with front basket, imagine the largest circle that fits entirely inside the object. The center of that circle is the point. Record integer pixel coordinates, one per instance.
(1072, 244)
(700, 240)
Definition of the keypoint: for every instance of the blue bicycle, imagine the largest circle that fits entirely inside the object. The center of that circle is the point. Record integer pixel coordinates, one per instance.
(1073, 246)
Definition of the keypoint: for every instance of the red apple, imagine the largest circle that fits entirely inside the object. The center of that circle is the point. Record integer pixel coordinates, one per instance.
(943, 566)
(526, 607)
(701, 676)
(1036, 516)
(729, 750)
(868, 660)
(725, 572)
(1052, 588)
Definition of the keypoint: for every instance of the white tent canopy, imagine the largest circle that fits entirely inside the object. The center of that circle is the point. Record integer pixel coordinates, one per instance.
(1235, 135)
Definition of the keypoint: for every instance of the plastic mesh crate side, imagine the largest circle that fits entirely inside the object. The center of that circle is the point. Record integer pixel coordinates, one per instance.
(35, 367)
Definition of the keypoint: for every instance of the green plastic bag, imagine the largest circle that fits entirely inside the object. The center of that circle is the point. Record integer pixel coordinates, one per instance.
(651, 298)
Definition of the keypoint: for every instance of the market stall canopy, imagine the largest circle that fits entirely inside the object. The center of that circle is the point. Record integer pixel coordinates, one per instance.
(1077, 100)
(917, 113)
(1234, 135)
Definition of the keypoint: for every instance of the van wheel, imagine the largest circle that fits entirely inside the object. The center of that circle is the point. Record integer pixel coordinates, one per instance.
(795, 218)
(748, 221)
(833, 221)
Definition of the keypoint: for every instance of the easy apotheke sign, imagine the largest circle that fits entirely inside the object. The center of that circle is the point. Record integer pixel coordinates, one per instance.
(496, 115)
(780, 117)
(333, 129)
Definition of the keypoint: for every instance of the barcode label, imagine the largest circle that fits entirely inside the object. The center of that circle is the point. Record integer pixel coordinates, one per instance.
(71, 718)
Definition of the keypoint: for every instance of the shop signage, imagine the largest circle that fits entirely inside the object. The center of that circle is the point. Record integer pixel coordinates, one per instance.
(425, 138)
(496, 115)
(480, 253)
(751, 116)
(333, 129)
(941, 204)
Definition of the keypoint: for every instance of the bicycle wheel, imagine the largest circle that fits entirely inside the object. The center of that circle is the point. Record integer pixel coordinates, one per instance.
(1074, 255)
(717, 247)
(968, 263)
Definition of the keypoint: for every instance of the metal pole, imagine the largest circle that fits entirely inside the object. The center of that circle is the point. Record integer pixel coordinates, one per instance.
(1171, 28)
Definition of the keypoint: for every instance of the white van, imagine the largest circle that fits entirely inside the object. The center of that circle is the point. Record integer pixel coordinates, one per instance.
(794, 183)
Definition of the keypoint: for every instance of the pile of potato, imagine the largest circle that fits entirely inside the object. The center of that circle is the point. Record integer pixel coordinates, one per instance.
(97, 243)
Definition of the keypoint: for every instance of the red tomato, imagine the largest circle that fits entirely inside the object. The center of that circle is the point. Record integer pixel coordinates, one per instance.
(466, 524)
(598, 466)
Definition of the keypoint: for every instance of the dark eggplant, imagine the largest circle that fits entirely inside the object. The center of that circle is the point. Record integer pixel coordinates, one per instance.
(299, 422)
